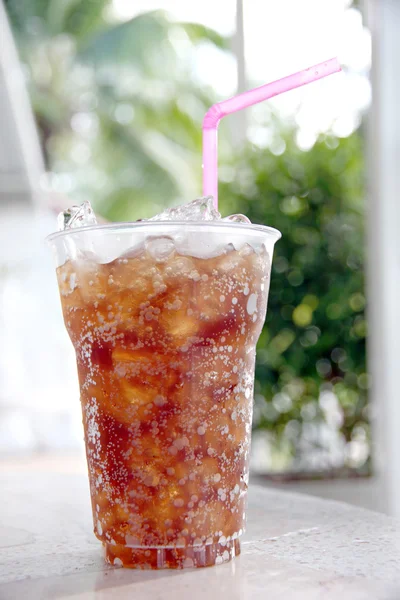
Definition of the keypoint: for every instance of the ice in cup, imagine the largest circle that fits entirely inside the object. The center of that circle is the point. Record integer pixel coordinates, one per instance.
(164, 318)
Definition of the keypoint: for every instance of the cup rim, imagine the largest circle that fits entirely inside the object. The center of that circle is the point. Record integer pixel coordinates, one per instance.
(162, 225)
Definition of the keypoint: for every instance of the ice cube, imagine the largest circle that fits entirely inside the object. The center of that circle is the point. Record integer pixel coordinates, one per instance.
(246, 250)
(116, 249)
(108, 249)
(133, 251)
(160, 248)
(199, 246)
(76, 216)
(236, 219)
(113, 247)
(201, 209)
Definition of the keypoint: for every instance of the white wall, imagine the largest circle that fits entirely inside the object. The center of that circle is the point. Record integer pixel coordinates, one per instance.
(384, 246)
(37, 370)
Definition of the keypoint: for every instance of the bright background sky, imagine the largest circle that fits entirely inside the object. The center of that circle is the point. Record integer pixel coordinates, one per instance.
(281, 37)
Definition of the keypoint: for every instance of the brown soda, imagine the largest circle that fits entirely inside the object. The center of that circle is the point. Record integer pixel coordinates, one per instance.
(165, 353)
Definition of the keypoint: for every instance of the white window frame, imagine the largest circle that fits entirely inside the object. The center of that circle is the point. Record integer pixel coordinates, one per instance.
(383, 248)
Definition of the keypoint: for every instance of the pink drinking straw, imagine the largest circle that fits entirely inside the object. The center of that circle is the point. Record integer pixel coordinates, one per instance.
(217, 111)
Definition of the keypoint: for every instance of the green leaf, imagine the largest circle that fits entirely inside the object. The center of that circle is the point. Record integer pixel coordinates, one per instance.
(79, 19)
(138, 42)
(200, 33)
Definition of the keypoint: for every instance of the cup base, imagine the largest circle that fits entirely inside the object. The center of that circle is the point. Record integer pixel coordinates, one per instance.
(171, 558)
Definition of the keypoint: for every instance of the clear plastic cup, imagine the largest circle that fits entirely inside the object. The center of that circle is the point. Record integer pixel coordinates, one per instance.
(164, 318)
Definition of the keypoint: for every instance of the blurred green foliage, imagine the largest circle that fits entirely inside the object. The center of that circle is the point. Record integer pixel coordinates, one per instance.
(119, 111)
(315, 331)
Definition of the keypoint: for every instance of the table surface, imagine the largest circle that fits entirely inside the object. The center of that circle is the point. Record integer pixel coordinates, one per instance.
(296, 547)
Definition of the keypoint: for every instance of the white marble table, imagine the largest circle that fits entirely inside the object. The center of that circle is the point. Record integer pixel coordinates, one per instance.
(296, 547)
